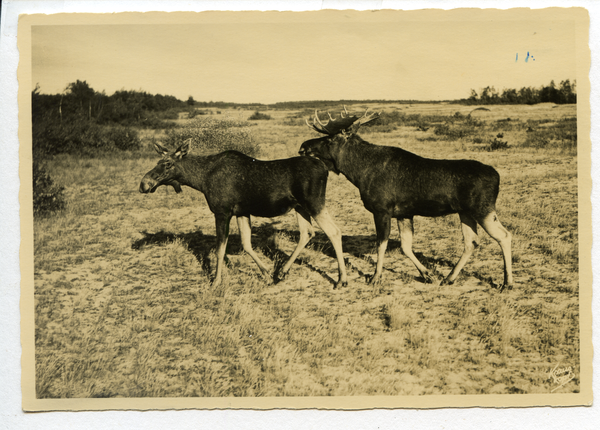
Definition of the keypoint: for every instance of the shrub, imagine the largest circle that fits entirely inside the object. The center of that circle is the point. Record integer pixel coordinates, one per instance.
(47, 196)
(211, 135)
(123, 138)
(259, 116)
(80, 136)
(497, 144)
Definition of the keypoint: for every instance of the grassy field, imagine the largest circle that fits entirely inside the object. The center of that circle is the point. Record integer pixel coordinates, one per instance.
(124, 306)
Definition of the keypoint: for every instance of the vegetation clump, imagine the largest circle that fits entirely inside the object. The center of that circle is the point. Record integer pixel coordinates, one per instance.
(259, 116)
(84, 122)
(48, 197)
(497, 144)
(210, 135)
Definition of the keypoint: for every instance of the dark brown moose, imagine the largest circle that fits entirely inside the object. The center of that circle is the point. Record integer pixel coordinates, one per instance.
(237, 185)
(395, 183)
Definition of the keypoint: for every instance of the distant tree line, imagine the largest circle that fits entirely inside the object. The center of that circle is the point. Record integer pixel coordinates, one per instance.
(80, 101)
(82, 120)
(564, 93)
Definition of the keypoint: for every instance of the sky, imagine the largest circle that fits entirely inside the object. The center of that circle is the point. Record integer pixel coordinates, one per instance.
(319, 57)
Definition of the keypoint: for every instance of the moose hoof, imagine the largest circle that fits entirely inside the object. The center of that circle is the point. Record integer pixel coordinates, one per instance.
(279, 276)
(507, 287)
(428, 278)
(447, 281)
(340, 284)
(374, 280)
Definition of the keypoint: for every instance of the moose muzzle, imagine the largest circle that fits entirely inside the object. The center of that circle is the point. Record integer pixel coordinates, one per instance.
(148, 185)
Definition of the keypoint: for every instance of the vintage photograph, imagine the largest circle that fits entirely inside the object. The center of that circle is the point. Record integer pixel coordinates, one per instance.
(332, 209)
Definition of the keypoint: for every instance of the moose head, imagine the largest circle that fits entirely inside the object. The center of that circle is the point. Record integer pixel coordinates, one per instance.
(166, 171)
(338, 132)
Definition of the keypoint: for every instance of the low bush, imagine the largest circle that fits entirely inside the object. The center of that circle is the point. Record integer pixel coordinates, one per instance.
(48, 197)
(259, 116)
(497, 144)
(81, 137)
(123, 138)
(211, 135)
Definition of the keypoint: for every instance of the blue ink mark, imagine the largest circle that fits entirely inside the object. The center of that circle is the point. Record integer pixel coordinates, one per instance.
(527, 59)
(517, 57)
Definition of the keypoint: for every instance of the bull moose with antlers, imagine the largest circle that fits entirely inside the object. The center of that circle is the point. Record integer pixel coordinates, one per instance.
(237, 185)
(395, 183)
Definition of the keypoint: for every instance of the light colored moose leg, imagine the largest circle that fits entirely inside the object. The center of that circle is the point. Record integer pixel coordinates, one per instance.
(222, 227)
(334, 234)
(246, 236)
(469, 230)
(382, 227)
(406, 227)
(306, 233)
(492, 225)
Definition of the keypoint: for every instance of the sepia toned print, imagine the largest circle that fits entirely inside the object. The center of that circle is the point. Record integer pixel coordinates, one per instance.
(140, 293)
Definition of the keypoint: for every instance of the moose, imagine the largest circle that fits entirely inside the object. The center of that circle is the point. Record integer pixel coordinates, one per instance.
(395, 183)
(237, 185)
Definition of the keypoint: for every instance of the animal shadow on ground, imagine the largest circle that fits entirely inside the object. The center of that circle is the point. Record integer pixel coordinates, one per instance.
(361, 246)
(264, 240)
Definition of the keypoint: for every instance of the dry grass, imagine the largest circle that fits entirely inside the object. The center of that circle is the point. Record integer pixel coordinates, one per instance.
(124, 304)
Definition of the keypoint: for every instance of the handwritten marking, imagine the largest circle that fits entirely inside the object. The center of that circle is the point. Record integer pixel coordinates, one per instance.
(529, 56)
(561, 376)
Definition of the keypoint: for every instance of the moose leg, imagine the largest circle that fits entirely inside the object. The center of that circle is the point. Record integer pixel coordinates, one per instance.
(382, 227)
(469, 230)
(243, 223)
(334, 234)
(492, 225)
(405, 225)
(222, 227)
(306, 233)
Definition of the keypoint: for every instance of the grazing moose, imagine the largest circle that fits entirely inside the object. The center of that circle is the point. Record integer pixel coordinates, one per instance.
(395, 183)
(237, 185)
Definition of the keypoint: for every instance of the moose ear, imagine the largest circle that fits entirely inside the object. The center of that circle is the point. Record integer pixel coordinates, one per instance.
(183, 150)
(161, 151)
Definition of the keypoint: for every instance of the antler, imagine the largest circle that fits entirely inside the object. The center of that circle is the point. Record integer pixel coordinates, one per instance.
(340, 125)
(367, 118)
